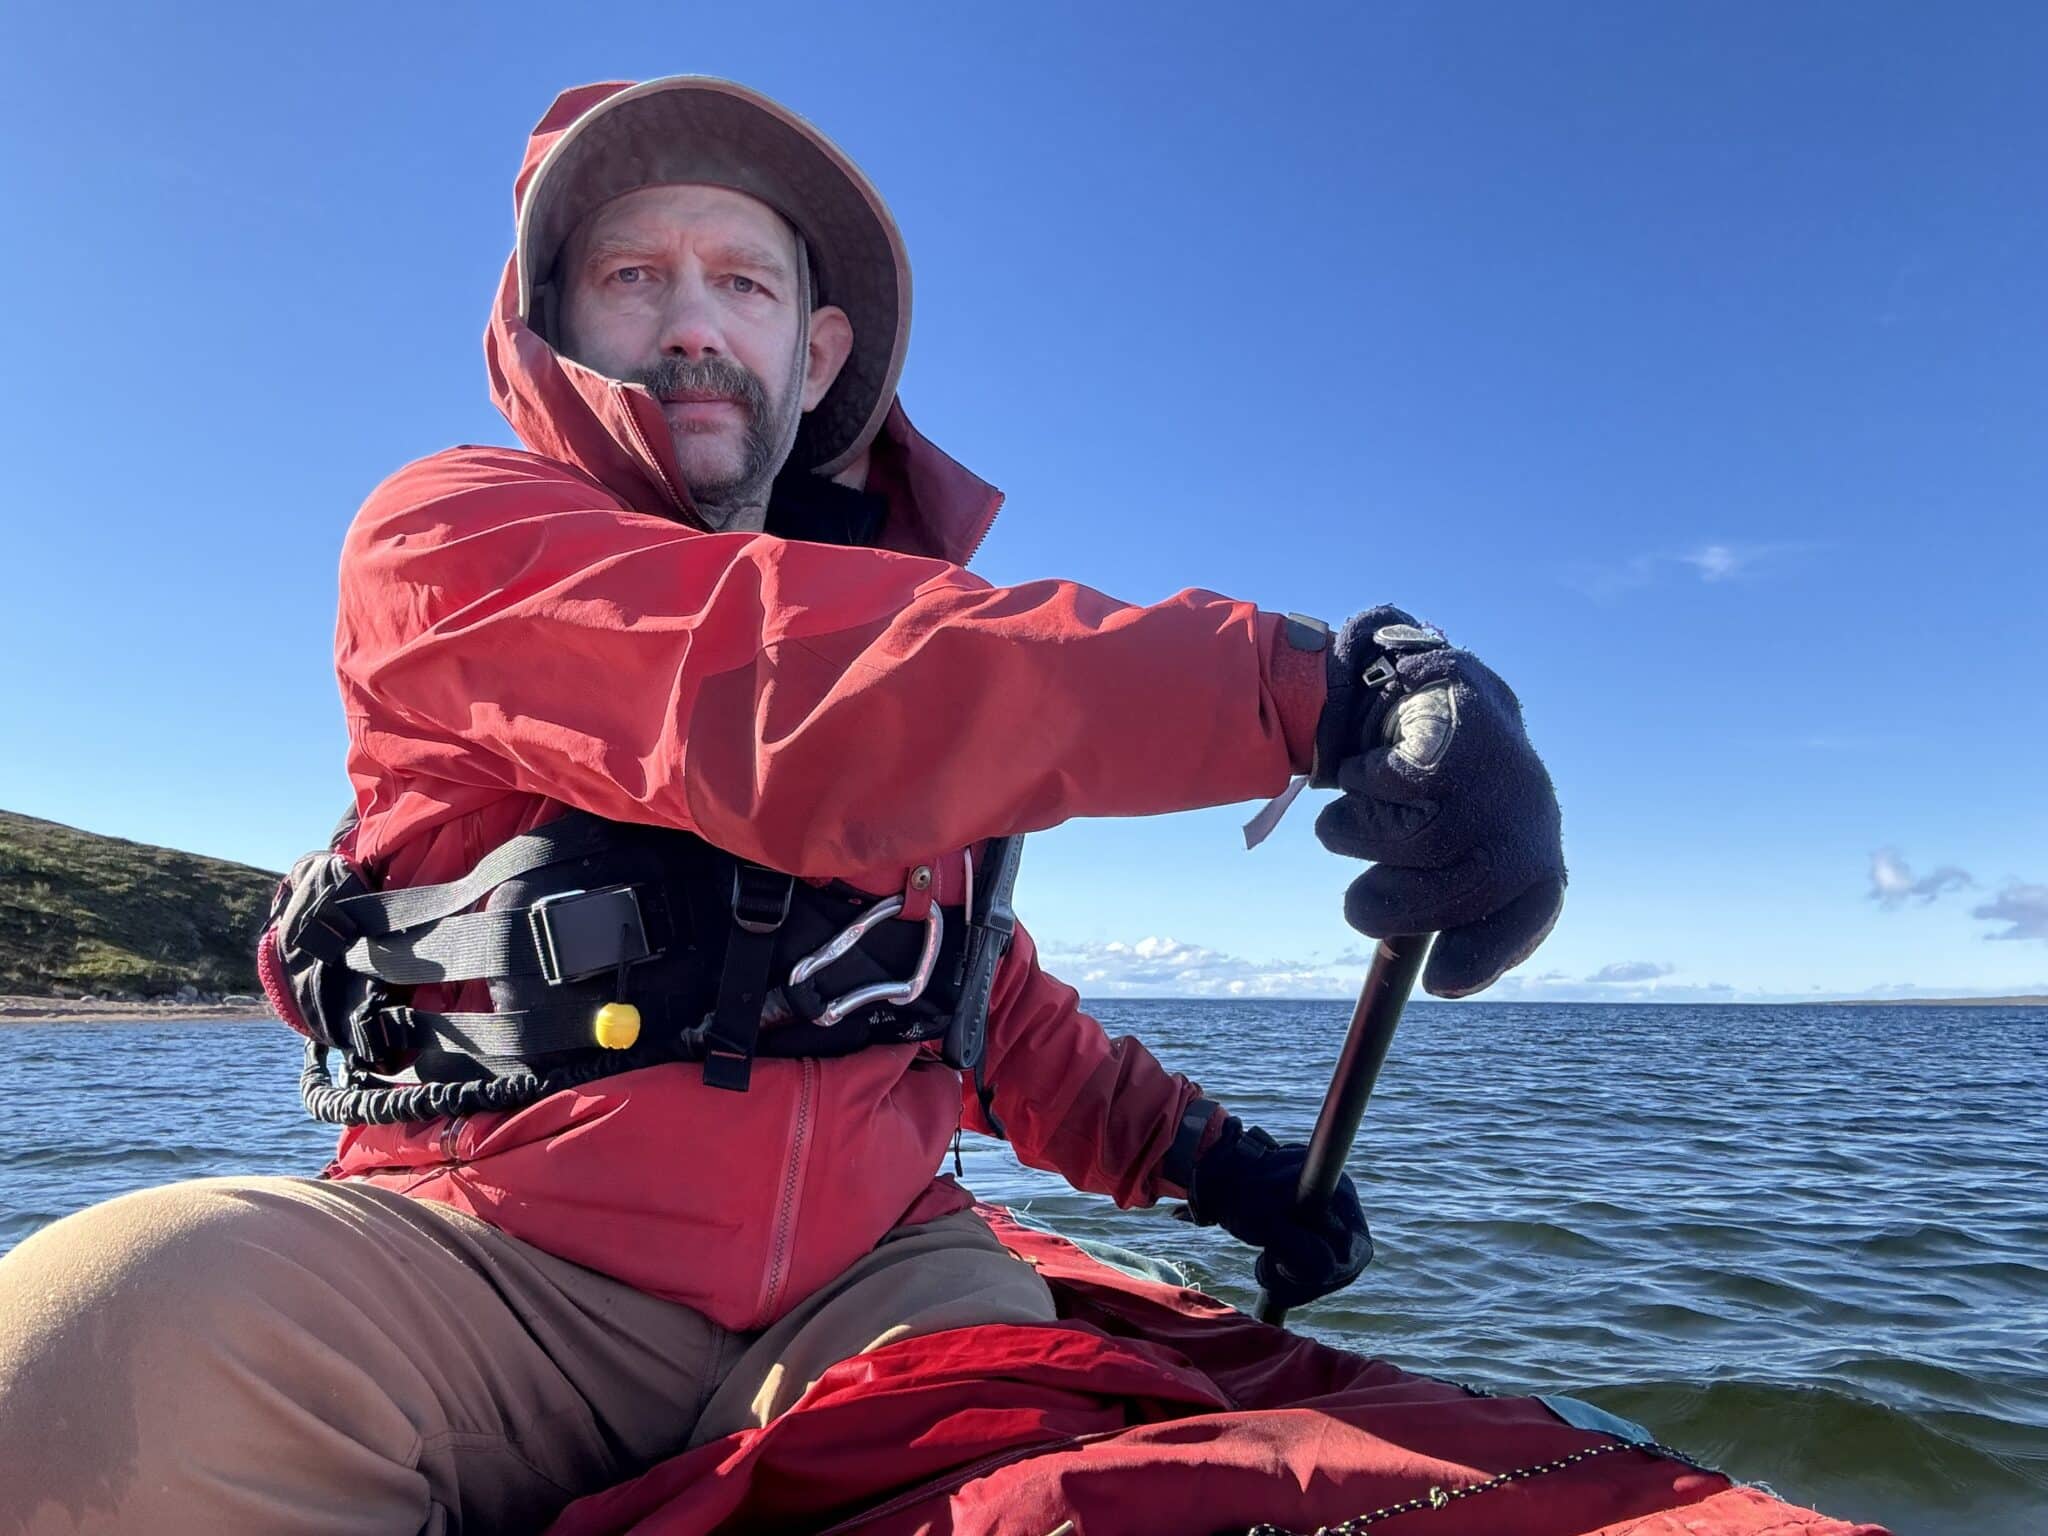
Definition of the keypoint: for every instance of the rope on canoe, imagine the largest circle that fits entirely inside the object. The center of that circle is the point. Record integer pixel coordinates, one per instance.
(1440, 1498)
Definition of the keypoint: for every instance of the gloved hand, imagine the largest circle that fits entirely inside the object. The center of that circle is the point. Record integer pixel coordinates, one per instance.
(1444, 793)
(1246, 1182)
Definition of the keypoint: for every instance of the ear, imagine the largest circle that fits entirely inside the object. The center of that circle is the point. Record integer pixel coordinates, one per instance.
(831, 342)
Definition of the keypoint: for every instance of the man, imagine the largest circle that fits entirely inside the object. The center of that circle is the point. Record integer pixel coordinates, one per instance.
(712, 616)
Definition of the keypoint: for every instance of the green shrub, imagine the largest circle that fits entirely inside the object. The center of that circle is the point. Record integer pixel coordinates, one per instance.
(82, 913)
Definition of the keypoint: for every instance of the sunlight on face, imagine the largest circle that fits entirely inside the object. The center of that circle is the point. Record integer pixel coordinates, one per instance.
(693, 291)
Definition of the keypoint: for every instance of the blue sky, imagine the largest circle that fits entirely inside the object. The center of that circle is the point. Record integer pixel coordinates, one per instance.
(1688, 362)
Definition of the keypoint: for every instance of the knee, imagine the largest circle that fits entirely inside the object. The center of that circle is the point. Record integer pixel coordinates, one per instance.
(157, 1258)
(144, 1290)
(157, 1285)
(90, 1293)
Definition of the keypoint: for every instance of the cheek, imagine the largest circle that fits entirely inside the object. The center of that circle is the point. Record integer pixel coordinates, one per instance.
(766, 345)
(602, 338)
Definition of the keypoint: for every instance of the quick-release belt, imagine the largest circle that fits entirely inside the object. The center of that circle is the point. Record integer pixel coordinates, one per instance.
(607, 947)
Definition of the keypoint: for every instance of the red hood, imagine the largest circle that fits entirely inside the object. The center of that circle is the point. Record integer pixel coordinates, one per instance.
(616, 433)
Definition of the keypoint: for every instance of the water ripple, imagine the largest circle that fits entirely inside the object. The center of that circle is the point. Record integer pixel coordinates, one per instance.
(1808, 1245)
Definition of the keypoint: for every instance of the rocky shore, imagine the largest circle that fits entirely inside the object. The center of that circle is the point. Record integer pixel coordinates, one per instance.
(186, 1006)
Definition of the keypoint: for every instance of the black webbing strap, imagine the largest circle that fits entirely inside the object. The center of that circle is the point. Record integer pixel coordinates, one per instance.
(986, 1096)
(1179, 1163)
(988, 937)
(507, 1036)
(466, 948)
(563, 937)
(760, 906)
(571, 837)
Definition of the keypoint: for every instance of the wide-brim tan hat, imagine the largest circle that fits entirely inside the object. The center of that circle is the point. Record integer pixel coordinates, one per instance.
(692, 128)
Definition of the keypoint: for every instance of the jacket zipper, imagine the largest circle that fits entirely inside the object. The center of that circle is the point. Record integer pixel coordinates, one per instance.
(792, 1189)
(647, 452)
(995, 506)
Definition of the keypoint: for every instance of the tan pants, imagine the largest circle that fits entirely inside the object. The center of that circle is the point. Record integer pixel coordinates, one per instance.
(285, 1355)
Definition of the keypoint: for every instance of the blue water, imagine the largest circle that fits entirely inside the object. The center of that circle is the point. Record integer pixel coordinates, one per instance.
(1809, 1245)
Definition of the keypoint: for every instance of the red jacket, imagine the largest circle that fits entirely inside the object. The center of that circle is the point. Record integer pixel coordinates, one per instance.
(522, 630)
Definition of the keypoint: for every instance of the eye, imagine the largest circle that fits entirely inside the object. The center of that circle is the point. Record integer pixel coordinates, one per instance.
(629, 274)
(744, 284)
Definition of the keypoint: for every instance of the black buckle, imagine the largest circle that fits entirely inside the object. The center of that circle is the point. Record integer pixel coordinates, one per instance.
(728, 1070)
(377, 1030)
(584, 933)
(760, 898)
(326, 936)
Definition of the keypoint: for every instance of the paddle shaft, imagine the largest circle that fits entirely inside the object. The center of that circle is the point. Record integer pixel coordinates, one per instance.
(1395, 965)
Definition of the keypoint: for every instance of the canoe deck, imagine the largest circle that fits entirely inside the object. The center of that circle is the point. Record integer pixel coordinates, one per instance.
(1153, 1408)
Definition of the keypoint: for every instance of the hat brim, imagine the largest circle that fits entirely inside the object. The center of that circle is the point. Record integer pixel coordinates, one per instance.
(691, 128)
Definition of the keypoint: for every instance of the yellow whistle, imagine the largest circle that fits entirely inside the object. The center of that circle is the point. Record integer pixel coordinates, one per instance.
(616, 1026)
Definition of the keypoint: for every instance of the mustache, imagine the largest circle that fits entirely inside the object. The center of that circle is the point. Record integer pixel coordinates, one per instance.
(720, 376)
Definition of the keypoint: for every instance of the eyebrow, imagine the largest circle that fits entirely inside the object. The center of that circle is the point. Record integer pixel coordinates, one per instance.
(730, 253)
(740, 253)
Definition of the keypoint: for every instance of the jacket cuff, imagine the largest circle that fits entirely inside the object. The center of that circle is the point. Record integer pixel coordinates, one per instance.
(1201, 1127)
(1297, 670)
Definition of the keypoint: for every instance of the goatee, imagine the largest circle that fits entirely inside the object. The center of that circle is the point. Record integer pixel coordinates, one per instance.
(722, 378)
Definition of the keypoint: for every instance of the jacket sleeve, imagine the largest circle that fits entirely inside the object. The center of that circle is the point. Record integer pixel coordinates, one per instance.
(821, 709)
(1100, 1112)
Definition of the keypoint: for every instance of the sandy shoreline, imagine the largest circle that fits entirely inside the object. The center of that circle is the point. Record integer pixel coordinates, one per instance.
(61, 1010)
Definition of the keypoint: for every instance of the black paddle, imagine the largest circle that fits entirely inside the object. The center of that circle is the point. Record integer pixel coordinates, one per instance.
(1395, 965)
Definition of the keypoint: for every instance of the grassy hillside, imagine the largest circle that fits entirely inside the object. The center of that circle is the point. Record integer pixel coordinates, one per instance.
(83, 914)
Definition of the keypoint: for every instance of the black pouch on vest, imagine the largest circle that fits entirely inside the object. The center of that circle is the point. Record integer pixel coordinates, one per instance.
(301, 957)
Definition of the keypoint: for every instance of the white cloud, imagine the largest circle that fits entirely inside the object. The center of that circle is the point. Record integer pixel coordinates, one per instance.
(1907, 991)
(1632, 970)
(1711, 563)
(1555, 987)
(1165, 967)
(2024, 907)
(1613, 578)
(1892, 880)
(1717, 562)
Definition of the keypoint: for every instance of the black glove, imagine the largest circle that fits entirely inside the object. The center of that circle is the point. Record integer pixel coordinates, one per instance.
(1444, 793)
(1246, 1184)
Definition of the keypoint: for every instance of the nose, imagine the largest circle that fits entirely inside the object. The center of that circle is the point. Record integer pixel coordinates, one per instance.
(689, 324)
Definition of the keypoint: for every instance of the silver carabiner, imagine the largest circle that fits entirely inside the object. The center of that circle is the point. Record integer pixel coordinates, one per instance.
(882, 991)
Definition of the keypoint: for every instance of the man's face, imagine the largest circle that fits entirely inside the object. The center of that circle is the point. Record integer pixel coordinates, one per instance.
(692, 291)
